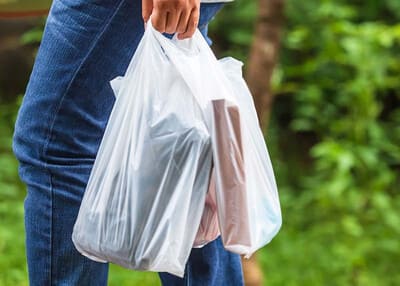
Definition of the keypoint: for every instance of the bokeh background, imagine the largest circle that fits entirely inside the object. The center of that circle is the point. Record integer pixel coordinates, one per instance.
(326, 79)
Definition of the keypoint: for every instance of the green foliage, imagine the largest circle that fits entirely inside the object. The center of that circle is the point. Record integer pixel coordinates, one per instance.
(12, 253)
(335, 141)
(338, 85)
(232, 28)
(32, 36)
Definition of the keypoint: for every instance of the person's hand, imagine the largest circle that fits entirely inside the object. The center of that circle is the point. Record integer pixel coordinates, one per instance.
(173, 16)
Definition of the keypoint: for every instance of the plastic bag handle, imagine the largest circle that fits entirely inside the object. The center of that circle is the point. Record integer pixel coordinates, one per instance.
(186, 55)
(187, 47)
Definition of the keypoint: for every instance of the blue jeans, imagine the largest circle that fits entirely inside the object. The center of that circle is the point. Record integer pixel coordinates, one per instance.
(68, 101)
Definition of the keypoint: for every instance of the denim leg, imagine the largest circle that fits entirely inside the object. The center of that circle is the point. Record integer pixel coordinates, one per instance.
(85, 44)
(68, 100)
(211, 265)
(50, 213)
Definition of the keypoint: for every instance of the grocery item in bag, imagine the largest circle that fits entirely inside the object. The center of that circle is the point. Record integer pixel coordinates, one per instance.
(261, 199)
(146, 192)
(208, 228)
(228, 153)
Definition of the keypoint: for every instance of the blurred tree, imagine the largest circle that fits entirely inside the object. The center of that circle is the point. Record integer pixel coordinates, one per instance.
(264, 55)
(334, 137)
(262, 61)
(16, 55)
(336, 114)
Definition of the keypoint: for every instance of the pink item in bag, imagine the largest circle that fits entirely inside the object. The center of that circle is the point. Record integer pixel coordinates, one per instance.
(208, 229)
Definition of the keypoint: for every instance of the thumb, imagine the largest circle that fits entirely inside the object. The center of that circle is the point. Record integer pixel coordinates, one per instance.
(147, 8)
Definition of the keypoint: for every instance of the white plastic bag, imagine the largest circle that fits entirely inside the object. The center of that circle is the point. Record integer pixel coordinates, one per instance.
(246, 199)
(252, 223)
(146, 192)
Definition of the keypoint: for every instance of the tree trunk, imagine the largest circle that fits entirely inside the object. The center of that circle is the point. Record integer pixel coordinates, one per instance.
(263, 58)
(264, 55)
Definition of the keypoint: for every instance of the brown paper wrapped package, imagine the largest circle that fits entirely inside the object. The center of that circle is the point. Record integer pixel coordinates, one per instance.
(231, 178)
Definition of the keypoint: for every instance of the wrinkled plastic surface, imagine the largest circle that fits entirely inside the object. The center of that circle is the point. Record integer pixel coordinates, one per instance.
(244, 194)
(247, 201)
(178, 109)
(146, 192)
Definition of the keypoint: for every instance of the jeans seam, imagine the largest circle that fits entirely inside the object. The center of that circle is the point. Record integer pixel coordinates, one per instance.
(188, 275)
(83, 61)
(51, 227)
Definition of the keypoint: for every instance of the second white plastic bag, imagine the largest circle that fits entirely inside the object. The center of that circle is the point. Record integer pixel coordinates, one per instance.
(248, 204)
(243, 193)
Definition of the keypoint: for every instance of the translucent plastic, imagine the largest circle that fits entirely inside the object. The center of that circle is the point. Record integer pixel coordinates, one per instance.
(243, 192)
(247, 197)
(209, 227)
(146, 192)
(152, 195)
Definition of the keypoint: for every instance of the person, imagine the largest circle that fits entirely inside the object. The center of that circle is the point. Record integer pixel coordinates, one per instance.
(60, 124)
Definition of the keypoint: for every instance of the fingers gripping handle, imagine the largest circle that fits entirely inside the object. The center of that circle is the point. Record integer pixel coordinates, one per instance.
(186, 47)
(185, 55)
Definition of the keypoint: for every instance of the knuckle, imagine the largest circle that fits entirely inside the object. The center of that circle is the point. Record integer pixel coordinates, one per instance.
(158, 27)
(162, 4)
(196, 9)
(171, 4)
(180, 3)
(176, 4)
(190, 33)
(181, 30)
(193, 25)
(145, 16)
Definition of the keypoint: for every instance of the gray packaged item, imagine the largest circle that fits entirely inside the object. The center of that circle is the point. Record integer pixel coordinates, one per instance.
(146, 192)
